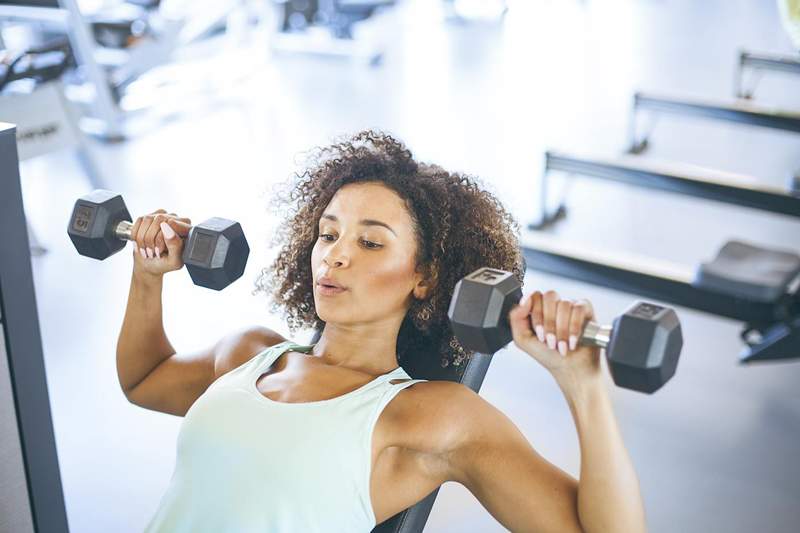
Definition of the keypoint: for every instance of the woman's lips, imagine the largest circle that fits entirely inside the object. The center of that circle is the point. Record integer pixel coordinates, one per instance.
(327, 290)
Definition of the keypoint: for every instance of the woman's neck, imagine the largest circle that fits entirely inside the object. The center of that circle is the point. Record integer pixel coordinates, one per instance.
(370, 351)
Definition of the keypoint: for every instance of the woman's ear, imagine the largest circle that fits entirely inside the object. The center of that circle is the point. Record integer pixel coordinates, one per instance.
(424, 286)
(421, 289)
(420, 292)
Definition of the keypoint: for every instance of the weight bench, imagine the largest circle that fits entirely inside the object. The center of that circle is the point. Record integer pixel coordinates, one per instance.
(744, 281)
(741, 111)
(789, 64)
(689, 180)
(427, 366)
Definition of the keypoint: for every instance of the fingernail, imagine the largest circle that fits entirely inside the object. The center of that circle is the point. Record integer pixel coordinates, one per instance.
(167, 230)
(562, 347)
(149, 253)
(540, 333)
(158, 251)
(573, 342)
(141, 251)
(551, 341)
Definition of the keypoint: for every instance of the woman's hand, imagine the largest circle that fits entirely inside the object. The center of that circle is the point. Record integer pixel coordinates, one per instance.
(549, 329)
(158, 246)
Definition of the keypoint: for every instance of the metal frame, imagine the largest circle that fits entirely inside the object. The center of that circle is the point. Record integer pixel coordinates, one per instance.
(789, 64)
(106, 117)
(103, 105)
(23, 349)
(688, 180)
(738, 111)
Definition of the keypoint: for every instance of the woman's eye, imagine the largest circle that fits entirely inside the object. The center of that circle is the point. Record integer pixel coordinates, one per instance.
(369, 244)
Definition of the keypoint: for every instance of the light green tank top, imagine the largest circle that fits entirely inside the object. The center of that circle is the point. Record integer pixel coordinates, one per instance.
(245, 463)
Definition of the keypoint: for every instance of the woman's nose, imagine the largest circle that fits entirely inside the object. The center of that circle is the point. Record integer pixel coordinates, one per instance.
(336, 257)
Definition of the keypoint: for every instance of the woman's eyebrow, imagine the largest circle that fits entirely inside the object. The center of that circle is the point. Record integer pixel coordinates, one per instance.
(365, 222)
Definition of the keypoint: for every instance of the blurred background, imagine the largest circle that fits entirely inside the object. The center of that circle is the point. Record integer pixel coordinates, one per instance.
(204, 107)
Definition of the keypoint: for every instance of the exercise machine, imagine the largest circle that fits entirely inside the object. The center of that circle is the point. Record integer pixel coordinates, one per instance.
(688, 180)
(740, 111)
(758, 64)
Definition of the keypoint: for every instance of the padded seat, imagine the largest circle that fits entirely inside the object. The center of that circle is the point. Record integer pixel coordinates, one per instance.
(749, 271)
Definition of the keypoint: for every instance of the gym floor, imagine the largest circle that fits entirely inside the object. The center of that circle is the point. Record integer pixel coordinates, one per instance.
(715, 449)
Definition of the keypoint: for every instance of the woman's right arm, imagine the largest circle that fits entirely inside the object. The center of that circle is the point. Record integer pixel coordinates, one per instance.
(151, 374)
(142, 343)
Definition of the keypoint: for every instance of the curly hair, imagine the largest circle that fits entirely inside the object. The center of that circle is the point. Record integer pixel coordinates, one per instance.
(459, 228)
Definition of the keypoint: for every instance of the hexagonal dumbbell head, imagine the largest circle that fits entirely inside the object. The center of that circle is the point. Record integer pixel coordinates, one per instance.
(644, 348)
(479, 309)
(215, 253)
(91, 226)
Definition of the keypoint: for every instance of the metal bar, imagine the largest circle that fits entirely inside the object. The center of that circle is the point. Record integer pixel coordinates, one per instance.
(689, 180)
(83, 44)
(741, 111)
(649, 278)
(775, 62)
(28, 439)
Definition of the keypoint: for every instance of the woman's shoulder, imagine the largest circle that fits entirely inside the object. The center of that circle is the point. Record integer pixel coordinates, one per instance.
(245, 344)
(425, 416)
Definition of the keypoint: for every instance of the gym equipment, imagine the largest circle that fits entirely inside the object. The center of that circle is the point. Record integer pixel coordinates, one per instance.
(743, 281)
(66, 14)
(120, 26)
(215, 252)
(32, 97)
(681, 179)
(330, 27)
(31, 494)
(41, 63)
(741, 111)
(642, 346)
(789, 64)
(133, 40)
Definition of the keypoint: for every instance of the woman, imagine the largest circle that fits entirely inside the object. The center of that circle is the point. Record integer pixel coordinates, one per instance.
(336, 436)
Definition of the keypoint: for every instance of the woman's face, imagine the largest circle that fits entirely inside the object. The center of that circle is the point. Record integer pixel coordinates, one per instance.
(367, 245)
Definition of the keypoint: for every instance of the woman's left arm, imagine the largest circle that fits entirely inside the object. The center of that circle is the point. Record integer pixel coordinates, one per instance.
(609, 498)
(491, 457)
(548, 329)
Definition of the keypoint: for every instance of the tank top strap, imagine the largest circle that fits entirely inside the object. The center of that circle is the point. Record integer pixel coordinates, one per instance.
(263, 360)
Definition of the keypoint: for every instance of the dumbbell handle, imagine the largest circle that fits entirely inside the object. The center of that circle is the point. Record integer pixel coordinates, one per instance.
(596, 335)
(123, 230)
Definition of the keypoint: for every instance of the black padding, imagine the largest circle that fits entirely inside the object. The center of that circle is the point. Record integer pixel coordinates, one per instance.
(749, 271)
(428, 366)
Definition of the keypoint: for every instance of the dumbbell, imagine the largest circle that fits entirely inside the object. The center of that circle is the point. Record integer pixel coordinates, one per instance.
(215, 252)
(642, 346)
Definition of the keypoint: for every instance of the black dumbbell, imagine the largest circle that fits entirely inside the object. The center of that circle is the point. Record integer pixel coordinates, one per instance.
(642, 347)
(215, 252)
